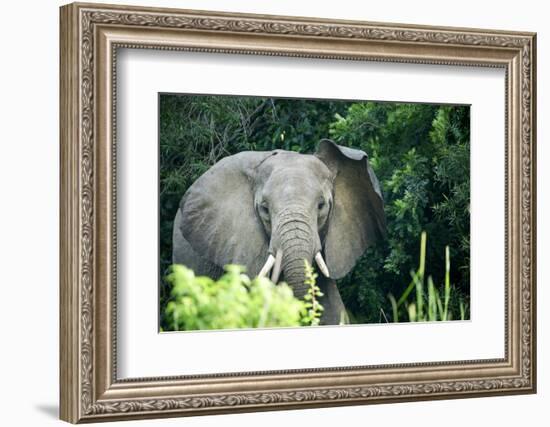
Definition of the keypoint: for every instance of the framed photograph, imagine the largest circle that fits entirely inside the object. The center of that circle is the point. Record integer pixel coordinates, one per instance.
(267, 212)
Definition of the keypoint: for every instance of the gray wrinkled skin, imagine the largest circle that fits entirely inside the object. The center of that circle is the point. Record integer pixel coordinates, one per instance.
(253, 204)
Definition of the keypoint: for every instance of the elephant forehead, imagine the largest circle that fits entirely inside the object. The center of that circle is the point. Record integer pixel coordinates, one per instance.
(289, 163)
(297, 183)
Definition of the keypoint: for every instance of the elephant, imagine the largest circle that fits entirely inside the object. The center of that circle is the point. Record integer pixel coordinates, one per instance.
(271, 210)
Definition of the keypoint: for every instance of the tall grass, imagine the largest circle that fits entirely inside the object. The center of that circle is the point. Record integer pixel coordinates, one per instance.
(427, 304)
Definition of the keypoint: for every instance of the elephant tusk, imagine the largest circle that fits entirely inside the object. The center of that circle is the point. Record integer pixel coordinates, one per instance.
(321, 263)
(277, 269)
(267, 266)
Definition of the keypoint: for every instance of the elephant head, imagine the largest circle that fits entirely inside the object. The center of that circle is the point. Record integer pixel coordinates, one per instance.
(273, 210)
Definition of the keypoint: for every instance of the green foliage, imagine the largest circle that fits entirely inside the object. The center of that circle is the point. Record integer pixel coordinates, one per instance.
(428, 306)
(419, 152)
(235, 301)
(314, 309)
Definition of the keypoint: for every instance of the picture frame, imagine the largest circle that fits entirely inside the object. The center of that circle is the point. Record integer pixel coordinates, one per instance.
(91, 36)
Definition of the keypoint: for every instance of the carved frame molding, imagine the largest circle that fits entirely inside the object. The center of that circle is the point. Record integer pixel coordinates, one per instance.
(90, 36)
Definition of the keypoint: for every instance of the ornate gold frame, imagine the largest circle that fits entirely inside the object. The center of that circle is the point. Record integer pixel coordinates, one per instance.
(90, 36)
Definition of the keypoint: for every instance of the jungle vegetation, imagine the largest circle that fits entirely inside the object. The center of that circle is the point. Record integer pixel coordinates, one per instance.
(419, 152)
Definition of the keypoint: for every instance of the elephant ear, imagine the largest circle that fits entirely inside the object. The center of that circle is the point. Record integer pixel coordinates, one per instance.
(218, 218)
(357, 219)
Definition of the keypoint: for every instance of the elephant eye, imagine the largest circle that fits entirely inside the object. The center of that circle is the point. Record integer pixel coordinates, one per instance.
(264, 208)
(321, 205)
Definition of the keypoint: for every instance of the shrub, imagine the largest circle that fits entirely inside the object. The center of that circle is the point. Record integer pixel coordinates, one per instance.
(236, 301)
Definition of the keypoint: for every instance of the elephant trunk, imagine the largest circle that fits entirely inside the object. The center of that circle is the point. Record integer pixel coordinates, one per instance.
(294, 272)
(297, 244)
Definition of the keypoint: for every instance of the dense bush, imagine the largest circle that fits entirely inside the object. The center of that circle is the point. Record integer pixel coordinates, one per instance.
(419, 152)
(235, 301)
